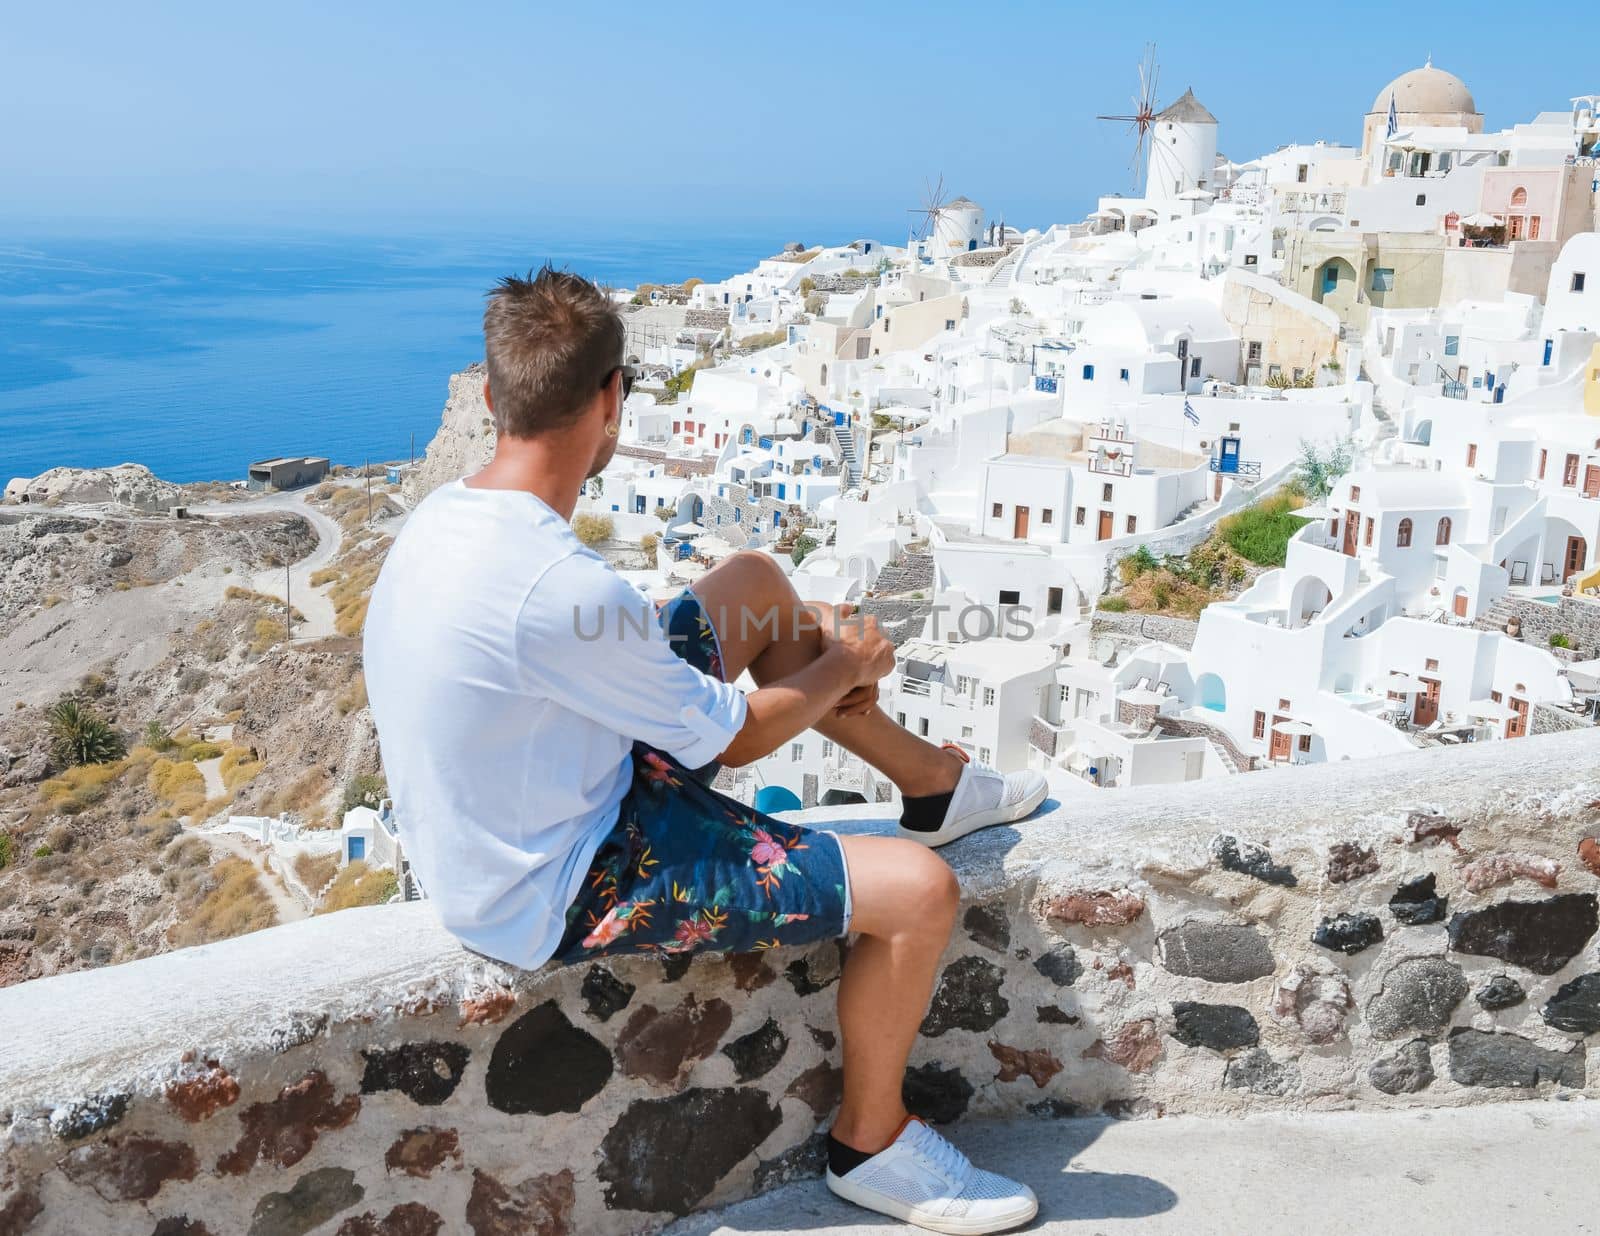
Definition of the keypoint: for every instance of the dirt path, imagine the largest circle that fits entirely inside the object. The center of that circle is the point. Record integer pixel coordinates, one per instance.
(286, 904)
(312, 602)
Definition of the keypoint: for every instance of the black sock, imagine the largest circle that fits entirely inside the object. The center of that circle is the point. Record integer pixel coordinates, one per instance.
(842, 1158)
(924, 814)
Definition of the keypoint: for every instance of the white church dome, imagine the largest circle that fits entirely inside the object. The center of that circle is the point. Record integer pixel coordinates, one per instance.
(1427, 91)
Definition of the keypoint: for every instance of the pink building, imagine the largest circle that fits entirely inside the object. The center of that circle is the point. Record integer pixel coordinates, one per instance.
(1538, 203)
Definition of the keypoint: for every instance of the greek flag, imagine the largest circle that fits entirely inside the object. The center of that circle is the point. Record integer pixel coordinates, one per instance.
(1394, 118)
(1189, 414)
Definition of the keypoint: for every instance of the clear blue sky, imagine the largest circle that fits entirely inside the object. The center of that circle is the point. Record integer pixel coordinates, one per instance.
(359, 116)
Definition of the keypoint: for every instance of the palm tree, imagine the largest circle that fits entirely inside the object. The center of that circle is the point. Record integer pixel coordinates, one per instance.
(79, 735)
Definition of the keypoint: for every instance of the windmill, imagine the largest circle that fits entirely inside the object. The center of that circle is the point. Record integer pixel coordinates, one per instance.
(930, 212)
(1144, 110)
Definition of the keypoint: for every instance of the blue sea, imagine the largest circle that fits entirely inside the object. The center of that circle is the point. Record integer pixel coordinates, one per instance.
(196, 356)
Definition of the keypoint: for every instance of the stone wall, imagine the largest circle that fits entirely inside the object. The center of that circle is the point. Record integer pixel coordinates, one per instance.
(910, 572)
(1179, 632)
(1577, 618)
(1416, 931)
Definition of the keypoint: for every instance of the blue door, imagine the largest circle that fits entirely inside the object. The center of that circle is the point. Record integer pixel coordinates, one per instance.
(355, 848)
(1549, 346)
(1230, 455)
(780, 493)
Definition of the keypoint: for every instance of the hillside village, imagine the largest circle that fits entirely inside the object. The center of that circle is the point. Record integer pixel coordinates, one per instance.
(1288, 460)
(1291, 460)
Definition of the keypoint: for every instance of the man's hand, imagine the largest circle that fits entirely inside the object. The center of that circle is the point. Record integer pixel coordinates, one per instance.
(870, 653)
(857, 701)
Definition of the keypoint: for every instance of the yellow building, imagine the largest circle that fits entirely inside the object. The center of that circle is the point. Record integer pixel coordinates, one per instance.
(1591, 382)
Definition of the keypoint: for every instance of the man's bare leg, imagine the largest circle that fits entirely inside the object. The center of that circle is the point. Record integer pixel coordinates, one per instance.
(753, 607)
(903, 896)
(903, 902)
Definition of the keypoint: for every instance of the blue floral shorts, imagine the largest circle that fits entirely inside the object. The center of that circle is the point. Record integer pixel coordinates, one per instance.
(687, 868)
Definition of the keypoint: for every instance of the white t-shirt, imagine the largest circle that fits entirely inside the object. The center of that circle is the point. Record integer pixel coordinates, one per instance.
(508, 677)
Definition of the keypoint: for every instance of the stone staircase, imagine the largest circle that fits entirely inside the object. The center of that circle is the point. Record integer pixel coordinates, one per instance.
(849, 454)
(1500, 611)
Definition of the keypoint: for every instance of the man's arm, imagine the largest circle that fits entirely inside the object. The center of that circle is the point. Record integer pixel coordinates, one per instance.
(857, 657)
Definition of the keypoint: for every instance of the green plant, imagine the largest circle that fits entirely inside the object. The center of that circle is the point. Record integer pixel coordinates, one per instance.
(803, 545)
(1114, 605)
(43, 851)
(364, 790)
(156, 736)
(5, 850)
(1261, 532)
(1317, 469)
(79, 735)
(1136, 564)
(1560, 640)
(593, 530)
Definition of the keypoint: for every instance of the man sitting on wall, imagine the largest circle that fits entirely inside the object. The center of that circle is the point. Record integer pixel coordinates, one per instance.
(550, 744)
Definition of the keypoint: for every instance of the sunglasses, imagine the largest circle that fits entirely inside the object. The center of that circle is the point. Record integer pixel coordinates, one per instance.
(628, 372)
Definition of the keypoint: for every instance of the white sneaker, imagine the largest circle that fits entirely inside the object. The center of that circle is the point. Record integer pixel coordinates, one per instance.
(921, 1179)
(983, 797)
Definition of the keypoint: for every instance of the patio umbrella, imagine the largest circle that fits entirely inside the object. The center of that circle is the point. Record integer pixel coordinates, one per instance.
(1314, 512)
(1141, 696)
(1480, 219)
(1489, 710)
(1298, 729)
(1402, 684)
(1584, 675)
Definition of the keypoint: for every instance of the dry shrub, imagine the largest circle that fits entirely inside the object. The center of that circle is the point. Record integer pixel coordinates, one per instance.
(315, 870)
(324, 575)
(359, 885)
(1160, 591)
(593, 530)
(82, 785)
(235, 904)
(304, 796)
(268, 631)
(354, 697)
(238, 767)
(177, 783)
(197, 751)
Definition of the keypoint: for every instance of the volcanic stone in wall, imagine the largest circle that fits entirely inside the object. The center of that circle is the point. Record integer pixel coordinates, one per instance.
(1418, 996)
(1060, 965)
(1221, 1027)
(667, 1154)
(803, 1162)
(1416, 903)
(820, 1088)
(1540, 935)
(1348, 861)
(1216, 952)
(129, 1169)
(1257, 1071)
(544, 1064)
(172, 1225)
(1481, 1058)
(935, 1093)
(77, 1120)
(406, 1219)
(1576, 1005)
(1250, 859)
(539, 1206)
(426, 1073)
(988, 927)
(1348, 933)
(967, 998)
(284, 1130)
(315, 1198)
(420, 1152)
(1405, 1072)
(604, 994)
(662, 1046)
(818, 969)
(1500, 992)
(755, 1054)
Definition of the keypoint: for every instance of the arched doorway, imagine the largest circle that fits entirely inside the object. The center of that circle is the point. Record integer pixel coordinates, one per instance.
(1334, 283)
(1213, 692)
(1309, 598)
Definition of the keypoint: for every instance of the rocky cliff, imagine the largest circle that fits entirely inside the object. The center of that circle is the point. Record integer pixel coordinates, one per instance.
(464, 441)
(131, 485)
